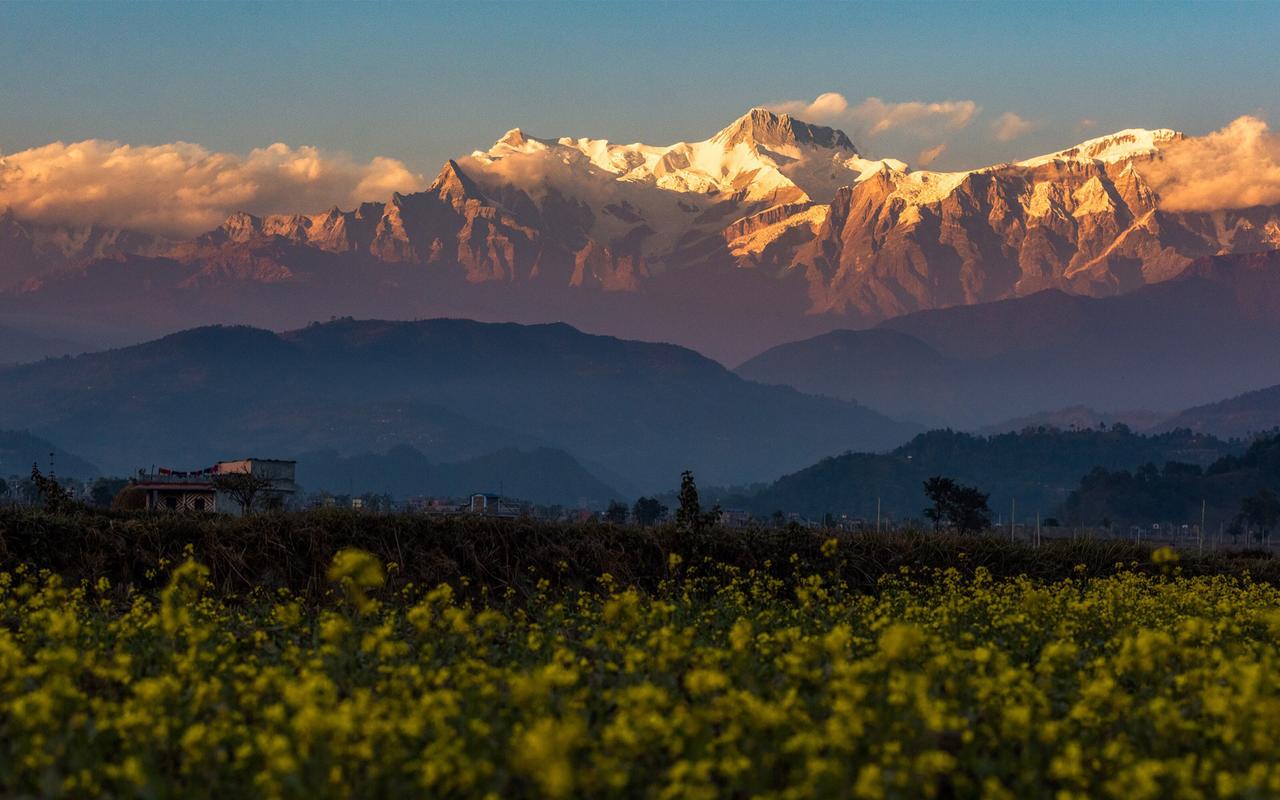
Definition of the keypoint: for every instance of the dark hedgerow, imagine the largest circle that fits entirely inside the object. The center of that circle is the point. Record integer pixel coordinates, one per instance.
(477, 555)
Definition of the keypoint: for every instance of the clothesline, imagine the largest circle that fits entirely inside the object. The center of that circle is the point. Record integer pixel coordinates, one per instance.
(188, 473)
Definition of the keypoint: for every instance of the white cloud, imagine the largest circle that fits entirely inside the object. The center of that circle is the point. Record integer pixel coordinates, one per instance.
(1236, 167)
(826, 106)
(181, 189)
(875, 116)
(928, 156)
(1009, 126)
(914, 116)
(1085, 124)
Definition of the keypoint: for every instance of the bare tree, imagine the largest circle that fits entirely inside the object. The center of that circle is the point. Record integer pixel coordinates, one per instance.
(242, 487)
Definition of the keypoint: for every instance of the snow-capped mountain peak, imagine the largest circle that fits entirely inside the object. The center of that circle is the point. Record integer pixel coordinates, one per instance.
(761, 156)
(765, 128)
(1113, 148)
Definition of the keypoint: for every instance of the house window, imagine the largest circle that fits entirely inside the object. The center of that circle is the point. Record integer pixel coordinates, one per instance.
(198, 504)
(171, 503)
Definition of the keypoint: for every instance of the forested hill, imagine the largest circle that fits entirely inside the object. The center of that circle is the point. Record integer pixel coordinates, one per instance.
(1176, 491)
(20, 449)
(1037, 467)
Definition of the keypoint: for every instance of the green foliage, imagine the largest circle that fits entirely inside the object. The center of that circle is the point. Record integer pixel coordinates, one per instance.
(1262, 511)
(1176, 491)
(488, 557)
(616, 513)
(105, 490)
(49, 492)
(963, 508)
(689, 514)
(130, 498)
(1038, 467)
(715, 681)
(648, 511)
(690, 517)
(244, 488)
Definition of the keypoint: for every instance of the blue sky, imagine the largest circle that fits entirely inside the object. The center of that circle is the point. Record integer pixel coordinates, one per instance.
(424, 82)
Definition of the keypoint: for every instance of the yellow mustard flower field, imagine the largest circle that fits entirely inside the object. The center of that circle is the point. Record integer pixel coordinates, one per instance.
(719, 683)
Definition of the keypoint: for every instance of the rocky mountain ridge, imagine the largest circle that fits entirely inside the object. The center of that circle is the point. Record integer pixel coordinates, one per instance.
(770, 208)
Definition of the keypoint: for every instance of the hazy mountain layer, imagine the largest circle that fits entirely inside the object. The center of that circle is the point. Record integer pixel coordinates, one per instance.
(19, 450)
(1212, 332)
(1038, 469)
(540, 475)
(451, 388)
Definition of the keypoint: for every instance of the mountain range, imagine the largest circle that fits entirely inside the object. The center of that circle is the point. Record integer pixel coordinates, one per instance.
(1211, 332)
(634, 414)
(1036, 468)
(539, 475)
(20, 449)
(1243, 416)
(771, 230)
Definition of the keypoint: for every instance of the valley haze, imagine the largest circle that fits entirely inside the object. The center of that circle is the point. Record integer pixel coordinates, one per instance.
(799, 278)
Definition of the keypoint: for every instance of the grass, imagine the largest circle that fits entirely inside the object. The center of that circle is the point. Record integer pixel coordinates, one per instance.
(509, 557)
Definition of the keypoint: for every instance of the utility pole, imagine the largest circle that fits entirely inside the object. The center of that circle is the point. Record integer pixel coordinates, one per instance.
(1203, 505)
(877, 513)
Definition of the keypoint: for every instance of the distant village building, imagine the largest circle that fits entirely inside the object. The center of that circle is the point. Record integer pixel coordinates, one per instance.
(436, 506)
(734, 518)
(197, 491)
(494, 505)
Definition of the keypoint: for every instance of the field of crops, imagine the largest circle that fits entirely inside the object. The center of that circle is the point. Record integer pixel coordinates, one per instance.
(718, 682)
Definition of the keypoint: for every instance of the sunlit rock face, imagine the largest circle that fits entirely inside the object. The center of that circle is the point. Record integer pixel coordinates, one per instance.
(773, 227)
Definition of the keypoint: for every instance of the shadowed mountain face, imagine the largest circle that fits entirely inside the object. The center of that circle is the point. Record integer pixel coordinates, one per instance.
(771, 230)
(1210, 333)
(540, 475)
(19, 450)
(19, 346)
(453, 389)
(1080, 418)
(1243, 416)
(1037, 468)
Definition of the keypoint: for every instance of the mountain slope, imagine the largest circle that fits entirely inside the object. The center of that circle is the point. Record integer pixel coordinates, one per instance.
(449, 387)
(19, 346)
(1242, 416)
(1037, 468)
(770, 230)
(1209, 333)
(540, 475)
(20, 449)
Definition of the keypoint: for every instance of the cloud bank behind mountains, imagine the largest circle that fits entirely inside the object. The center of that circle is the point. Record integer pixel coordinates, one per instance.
(874, 116)
(1235, 167)
(182, 189)
(1009, 126)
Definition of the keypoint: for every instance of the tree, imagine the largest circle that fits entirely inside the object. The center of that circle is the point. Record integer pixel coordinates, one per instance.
(244, 488)
(130, 498)
(49, 491)
(1235, 528)
(962, 507)
(689, 517)
(4, 487)
(104, 490)
(647, 511)
(616, 513)
(1261, 510)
